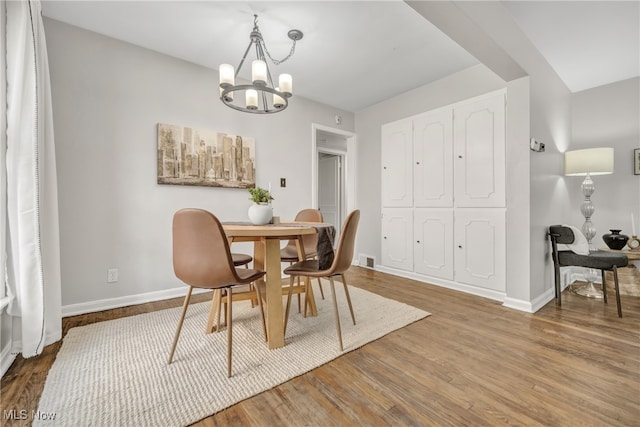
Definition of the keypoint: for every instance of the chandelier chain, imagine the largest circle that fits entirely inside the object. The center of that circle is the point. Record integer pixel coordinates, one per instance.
(264, 45)
(278, 61)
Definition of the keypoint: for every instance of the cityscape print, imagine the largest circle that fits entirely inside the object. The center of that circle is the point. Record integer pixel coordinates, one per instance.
(189, 156)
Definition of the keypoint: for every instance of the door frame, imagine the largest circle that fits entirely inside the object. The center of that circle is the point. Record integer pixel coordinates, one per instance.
(349, 165)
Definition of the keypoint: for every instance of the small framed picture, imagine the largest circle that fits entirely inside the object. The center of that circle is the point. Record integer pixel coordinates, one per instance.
(636, 161)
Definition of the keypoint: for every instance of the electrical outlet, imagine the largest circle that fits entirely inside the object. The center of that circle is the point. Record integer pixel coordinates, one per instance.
(283, 182)
(112, 275)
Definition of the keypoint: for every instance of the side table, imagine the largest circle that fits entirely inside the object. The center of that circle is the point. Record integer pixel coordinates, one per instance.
(628, 277)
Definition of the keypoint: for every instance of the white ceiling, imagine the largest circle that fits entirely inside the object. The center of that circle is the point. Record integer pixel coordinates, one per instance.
(588, 43)
(357, 53)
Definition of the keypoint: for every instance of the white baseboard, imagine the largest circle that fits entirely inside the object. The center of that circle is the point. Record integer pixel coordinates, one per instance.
(109, 303)
(530, 306)
(473, 290)
(6, 359)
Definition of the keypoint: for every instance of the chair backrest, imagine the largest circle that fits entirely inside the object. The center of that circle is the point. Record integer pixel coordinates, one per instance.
(201, 256)
(344, 251)
(309, 241)
(561, 234)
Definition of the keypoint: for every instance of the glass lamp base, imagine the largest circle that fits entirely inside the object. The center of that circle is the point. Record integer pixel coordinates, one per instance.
(588, 290)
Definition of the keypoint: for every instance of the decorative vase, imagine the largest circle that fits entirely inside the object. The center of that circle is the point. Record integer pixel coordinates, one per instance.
(261, 213)
(615, 240)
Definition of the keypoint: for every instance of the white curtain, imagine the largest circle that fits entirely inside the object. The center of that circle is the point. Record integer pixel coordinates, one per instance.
(33, 247)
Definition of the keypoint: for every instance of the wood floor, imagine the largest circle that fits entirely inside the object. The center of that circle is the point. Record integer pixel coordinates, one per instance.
(472, 363)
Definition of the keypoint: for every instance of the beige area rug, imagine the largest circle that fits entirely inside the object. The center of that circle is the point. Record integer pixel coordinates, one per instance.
(115, 373)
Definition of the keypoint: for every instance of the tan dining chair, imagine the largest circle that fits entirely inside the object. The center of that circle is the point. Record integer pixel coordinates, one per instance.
(341, 263)
(248, 292)
(202, 259)
(309, 243)
(241, 259)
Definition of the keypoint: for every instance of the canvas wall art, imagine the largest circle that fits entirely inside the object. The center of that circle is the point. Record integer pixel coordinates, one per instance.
(188, 156)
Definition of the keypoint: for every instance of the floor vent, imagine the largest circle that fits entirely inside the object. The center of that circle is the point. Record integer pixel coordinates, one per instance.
(366, 261)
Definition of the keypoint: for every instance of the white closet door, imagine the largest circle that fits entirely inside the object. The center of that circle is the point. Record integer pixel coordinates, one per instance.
(397, 238)
(433, 159)
(480, 247)
(479, 140)
(397, 173)
(433, 246)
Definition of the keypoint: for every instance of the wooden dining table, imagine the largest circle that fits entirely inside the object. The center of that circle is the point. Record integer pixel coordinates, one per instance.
(266, 256)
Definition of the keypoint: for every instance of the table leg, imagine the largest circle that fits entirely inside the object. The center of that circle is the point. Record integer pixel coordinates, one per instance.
(214, 315)
(267, 254)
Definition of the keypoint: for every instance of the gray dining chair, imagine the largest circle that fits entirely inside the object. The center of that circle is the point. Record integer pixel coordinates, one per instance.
(600, 260)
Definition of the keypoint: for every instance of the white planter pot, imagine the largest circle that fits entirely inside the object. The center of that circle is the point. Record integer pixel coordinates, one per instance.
(260, 214)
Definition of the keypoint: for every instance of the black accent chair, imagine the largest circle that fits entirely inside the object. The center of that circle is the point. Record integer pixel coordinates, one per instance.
(600, 260)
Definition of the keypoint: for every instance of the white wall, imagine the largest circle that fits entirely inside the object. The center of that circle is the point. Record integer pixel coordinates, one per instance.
(108, 97)
(550, 202)
(608, 116)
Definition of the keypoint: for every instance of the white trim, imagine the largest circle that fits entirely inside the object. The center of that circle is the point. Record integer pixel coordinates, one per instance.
(334, 151)
(530, 306)
(469, 289)
(350, 171)
(109, 303)
(6, 359)
(4, 302)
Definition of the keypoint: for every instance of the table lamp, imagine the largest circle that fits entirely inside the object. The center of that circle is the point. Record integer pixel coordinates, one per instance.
(588, 162)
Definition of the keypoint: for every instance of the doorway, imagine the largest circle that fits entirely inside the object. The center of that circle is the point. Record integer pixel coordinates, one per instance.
(333, 174)
(331, 187)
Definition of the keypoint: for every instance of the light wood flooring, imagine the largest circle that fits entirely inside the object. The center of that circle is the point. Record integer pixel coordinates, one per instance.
(472, 363)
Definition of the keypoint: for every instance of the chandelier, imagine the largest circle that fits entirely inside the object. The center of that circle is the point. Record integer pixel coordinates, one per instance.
(261, 96)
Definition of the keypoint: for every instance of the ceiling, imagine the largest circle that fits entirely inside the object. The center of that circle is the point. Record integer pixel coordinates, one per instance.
(357, 53)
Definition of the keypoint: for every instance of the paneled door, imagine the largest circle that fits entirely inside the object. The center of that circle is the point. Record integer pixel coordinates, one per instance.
(479, 143)
(397, 171)
(397, 238)
(433, 159)
(433, 245)
(480, 247)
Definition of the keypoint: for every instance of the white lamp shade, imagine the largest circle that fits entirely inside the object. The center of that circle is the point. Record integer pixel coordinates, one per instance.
(593, 161)
(251, 98)
(259, 72)
(227, 77)
(278, 101)
(285, 83)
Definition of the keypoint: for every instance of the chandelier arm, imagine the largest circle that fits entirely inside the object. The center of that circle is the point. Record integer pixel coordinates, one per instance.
(243, 58)
(260, 55)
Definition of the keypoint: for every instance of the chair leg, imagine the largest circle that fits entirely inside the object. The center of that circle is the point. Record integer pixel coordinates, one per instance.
(556, 275)
(286, 312)
(604, 287)
(229, 332)
(307, 285)
(346, 291)
(617, 286)
(261, 308)
(335, 310)
(180, 322)
(299, 299)
(321, 290)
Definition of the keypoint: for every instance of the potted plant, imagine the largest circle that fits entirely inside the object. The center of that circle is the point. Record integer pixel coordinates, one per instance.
(260, 212)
